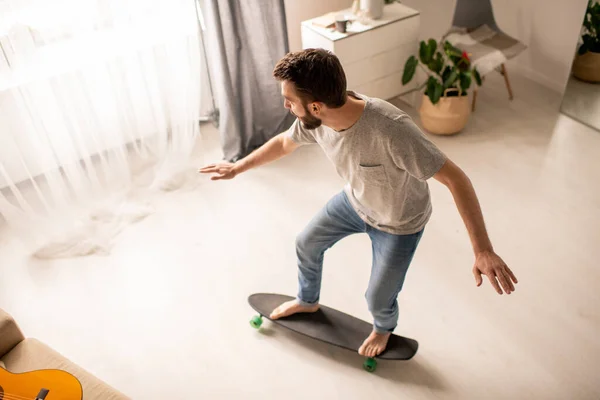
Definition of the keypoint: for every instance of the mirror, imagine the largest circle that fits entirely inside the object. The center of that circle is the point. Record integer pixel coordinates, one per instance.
(581, 100)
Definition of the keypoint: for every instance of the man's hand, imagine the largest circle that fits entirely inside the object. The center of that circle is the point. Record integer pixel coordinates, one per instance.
(223, 171)
(490, 264)
(486, 261)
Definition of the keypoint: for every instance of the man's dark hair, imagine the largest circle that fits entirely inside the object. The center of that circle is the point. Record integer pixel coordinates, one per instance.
(317, 75)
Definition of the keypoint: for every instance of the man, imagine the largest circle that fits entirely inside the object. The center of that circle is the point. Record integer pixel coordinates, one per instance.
(386, 162)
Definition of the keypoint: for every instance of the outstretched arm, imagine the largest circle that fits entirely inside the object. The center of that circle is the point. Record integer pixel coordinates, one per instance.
(274, 149)
(487, 262)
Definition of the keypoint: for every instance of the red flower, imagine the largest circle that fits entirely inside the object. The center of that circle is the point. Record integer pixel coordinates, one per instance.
(465, 56)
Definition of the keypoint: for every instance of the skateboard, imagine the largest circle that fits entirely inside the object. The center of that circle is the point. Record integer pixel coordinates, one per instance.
(331, 326)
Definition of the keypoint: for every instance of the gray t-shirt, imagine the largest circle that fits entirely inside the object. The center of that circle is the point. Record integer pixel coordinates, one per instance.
(385, 160)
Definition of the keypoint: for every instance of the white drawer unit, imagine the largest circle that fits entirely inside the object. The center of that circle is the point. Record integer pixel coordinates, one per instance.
(372, 55)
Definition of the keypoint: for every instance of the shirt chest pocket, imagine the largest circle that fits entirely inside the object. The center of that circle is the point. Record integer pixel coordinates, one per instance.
(373, 175)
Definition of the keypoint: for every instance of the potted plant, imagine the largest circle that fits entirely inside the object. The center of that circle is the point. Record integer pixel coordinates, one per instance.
(587, 61)
(445, 107)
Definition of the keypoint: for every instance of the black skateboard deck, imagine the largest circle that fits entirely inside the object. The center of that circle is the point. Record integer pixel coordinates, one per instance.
(331, 326)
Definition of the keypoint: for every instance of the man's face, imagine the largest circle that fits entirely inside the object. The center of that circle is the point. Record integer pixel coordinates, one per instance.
(297, 107)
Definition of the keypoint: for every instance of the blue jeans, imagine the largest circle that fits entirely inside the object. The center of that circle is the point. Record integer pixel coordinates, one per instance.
(392, 255)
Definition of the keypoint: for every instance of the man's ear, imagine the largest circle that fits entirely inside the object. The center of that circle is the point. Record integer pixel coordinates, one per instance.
(315, 108)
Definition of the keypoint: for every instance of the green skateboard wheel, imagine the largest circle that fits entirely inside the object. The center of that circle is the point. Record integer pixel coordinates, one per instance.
(370, 364)
(256, 322)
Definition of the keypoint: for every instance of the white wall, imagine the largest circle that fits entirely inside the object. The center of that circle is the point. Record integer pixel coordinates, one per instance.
(297, 11)
(550, 30)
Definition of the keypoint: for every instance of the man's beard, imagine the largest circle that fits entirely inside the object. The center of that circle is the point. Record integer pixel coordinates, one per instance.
(308, 121)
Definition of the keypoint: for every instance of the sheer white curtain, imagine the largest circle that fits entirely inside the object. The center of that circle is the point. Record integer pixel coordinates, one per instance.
(99, 111)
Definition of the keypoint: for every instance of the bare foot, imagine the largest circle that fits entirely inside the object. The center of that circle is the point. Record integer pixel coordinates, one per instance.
(291, 307)
(374, 344)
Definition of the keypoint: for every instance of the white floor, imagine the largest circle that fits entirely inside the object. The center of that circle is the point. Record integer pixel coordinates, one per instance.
(165, 315)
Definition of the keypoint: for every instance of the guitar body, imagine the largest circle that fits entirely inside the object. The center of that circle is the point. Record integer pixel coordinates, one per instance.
(27, 385)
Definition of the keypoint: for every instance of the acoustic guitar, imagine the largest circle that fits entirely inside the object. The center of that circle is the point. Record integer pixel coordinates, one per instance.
(45, 384)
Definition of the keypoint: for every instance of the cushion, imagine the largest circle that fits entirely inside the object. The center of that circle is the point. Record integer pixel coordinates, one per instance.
(31, 355)
(486, 47)
(10, 334)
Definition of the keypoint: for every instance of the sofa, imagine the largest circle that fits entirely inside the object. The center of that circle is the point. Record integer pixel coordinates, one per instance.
(20, 354)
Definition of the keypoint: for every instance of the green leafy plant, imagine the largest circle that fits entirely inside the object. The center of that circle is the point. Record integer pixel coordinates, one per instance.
(450, 71)
(591, 24)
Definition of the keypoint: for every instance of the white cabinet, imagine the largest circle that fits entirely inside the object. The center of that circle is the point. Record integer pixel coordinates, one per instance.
(372, 54)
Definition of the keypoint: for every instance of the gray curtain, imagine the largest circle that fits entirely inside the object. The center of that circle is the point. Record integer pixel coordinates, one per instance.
(247, 38)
